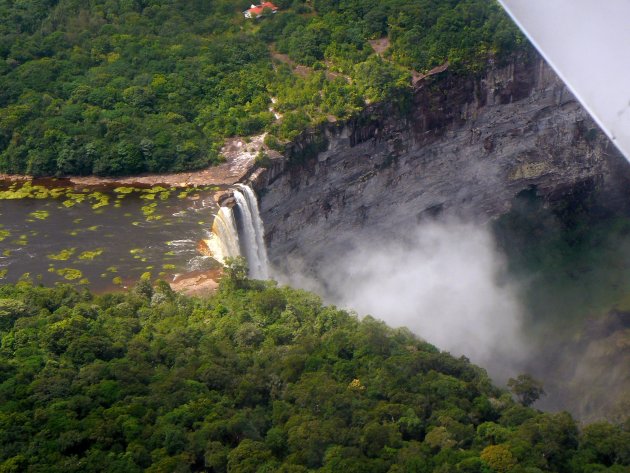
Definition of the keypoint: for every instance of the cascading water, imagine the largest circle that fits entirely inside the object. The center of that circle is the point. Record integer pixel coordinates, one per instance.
(223, 241)
(229, 239)
(253, 241)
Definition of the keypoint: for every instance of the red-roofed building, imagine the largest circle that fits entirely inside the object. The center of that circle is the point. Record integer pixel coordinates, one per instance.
(256, 11)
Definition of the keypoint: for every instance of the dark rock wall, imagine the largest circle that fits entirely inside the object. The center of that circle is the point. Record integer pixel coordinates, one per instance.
(466, 147)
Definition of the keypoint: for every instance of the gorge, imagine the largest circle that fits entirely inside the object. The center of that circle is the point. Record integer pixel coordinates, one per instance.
(359, 236)
(467, 150)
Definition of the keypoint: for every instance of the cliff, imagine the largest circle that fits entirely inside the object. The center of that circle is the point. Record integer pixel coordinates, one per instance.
(466, 146)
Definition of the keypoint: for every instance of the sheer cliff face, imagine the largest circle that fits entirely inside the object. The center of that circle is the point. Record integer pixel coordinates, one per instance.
(466, 148)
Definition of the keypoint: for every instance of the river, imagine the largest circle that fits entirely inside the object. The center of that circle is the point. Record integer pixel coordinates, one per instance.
(101, 237)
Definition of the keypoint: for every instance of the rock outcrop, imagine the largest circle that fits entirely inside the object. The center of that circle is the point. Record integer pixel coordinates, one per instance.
(465, 146)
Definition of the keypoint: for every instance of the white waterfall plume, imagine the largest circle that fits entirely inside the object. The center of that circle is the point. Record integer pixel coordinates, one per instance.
(253, 233)
(241, 232)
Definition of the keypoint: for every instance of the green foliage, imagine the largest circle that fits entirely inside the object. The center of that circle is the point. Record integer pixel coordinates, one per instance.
(263, 159)
(236, 270)
(499, 458)
(256, 378)
(10, 311)
(378, 79)
(465, 33)
(527, 389)
(121, 87)
(273, 143)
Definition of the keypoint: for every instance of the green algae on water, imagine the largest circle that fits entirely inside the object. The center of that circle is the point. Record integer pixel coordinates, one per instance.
(63, 255)
(70, 274)
(90, 255)
(26, 191)
(40, 214)
(22, 240)
(124, 190)
(99, 199)
(148, 209)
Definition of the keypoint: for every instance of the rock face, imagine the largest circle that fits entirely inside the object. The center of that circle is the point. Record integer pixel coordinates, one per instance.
(466, 147)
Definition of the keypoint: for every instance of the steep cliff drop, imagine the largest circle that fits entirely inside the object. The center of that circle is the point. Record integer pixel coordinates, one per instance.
(378, 214)
(238, 230)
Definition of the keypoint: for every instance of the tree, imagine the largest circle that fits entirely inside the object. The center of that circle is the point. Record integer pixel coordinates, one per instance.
(236, 271)
(499, 458)
(11, 310)
(380, 80)
(527, 389)
(248, 457)
(117, 383)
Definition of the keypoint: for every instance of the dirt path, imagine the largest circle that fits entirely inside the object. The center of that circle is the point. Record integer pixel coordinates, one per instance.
(304, 71)
(379, 45)
(416, 77)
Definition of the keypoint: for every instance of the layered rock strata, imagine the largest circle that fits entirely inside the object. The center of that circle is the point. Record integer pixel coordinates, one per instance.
(464, 146)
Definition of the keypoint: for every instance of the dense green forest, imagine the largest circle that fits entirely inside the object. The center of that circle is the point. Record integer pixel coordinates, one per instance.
(257, 378)
(113, 87)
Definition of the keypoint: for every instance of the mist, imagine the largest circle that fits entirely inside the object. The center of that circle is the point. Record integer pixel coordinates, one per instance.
(446, 281)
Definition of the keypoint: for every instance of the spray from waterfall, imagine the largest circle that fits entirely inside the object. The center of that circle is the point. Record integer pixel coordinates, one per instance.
(239, 231)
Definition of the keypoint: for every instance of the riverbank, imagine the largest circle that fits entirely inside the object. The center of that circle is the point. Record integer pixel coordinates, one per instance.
(240, 157)
(239, 153)
(197, 283)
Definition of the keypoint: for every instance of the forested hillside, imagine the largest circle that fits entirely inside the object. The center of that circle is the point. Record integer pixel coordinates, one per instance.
(257, 379)
(115, 87)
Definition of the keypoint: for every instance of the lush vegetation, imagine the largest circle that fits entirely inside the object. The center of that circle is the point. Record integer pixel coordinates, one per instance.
(257, 379)
(575, 258)
(127, 86)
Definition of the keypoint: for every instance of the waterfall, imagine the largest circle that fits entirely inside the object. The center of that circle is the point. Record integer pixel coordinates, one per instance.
(223, 241)
(241, 232)
(253, 233)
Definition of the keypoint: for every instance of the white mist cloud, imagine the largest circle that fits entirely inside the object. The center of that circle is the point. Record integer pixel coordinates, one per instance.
(445, 281)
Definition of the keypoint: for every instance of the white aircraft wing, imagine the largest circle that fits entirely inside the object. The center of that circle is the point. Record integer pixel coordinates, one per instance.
(587, 42)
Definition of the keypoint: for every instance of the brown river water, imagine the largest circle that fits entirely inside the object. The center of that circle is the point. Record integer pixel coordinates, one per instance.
(102, 237)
